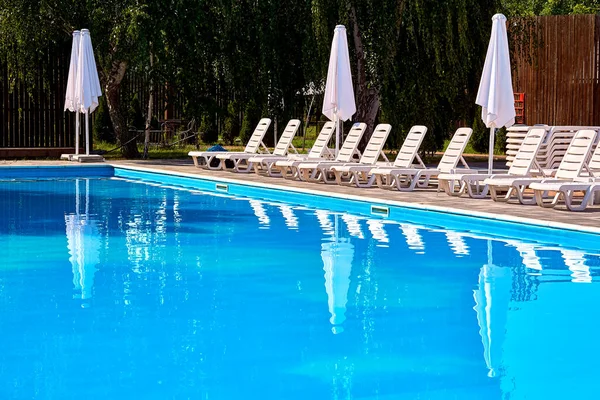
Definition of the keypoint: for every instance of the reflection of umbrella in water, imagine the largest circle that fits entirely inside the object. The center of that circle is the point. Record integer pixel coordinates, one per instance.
(84, 247)
(337, 256)
(491, 304)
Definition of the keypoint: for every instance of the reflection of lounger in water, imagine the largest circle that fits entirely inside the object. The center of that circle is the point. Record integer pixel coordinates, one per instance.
(260, 212)
(414, 240)
(377, 229)
(575, 261)
(457, 243)
(353, 225)
(324, 221)
(291, 221)
(528, 254)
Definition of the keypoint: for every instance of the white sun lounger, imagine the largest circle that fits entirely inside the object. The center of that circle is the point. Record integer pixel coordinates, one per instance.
(240, 162)
(311, 170)
(289, 168)
(521, 166)
(361, 176)
(566, 191)
(570, 168)
(206, 159)
(371, 154)
(319, 151)
(407, 179)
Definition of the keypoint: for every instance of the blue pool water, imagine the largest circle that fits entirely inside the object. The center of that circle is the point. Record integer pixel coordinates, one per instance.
(115, 289)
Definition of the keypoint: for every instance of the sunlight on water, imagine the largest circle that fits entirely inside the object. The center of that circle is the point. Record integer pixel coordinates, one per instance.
(119, 289)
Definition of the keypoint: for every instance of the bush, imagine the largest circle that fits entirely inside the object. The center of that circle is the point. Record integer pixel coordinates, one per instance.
(232, 124)
(208, 130)
(102, 127)
(480, 140)
(250, 120)
(135, 117)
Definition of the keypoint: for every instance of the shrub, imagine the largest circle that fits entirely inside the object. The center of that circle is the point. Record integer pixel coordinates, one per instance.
(232, 124)
(208, 129)
(480, 140)
(135, 117)
(102, 127)
(251, 118)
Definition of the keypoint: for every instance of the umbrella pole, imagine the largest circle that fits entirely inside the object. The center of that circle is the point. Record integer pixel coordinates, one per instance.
(77, 132)
(491, 153)
(87, 134)
(337, 133)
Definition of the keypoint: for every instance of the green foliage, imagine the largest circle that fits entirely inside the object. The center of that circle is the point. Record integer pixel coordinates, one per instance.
(102, 127)
(500, 141)
(481, 136)
(250, 120)
(208, 129)
(549, 7)
(423, 57)
(135, 117)
(232, 124)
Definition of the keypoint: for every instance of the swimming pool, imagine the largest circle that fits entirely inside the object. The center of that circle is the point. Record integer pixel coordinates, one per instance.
(114, 287)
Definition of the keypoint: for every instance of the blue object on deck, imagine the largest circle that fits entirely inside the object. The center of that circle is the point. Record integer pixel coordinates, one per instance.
(216, 147)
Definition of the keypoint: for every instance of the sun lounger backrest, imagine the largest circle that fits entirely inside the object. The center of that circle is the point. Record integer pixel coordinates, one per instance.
(286, 138)
(455, 149)
(351, 143)
(410, 147)
(320, 146)
(375, 145)
(574, 160)
(257, 136)
(594, 163)
(525, 157)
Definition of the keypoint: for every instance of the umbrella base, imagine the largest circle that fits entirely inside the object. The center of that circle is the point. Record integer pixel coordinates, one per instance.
(82, 158)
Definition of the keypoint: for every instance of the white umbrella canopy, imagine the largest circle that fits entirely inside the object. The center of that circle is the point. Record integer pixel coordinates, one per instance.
(70, 97)
(70, 102)
(495, 94)
(87, 87)
(338, 102)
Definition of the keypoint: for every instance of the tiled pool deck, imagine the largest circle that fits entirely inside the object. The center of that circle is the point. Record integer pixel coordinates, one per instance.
(588, 220)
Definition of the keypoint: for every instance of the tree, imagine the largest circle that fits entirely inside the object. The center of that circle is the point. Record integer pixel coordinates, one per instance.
(418, 62)
(530, 8)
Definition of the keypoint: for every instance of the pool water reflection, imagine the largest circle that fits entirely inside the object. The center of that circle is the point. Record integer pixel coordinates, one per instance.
(119, 289)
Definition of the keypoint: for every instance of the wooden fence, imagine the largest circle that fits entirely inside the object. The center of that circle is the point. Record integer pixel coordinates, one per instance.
(556, 65)
(35, 118)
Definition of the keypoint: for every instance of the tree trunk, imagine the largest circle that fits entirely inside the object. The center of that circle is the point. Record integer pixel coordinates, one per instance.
(367, 104)
(149, 116)
(113, 99)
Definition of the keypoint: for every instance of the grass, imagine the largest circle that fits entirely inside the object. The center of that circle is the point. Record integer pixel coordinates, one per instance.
(471, 151)
(301, 144)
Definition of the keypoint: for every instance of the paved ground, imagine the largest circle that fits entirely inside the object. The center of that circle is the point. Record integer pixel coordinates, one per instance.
(428, 198)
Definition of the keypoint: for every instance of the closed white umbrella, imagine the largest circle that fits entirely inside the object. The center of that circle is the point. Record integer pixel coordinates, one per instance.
(495, 94)
(338, 103)
(87, 87)
(70, 98)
